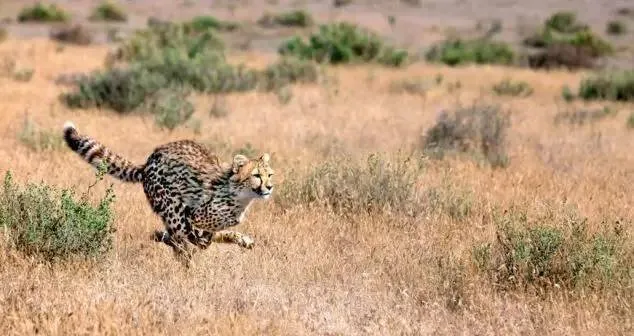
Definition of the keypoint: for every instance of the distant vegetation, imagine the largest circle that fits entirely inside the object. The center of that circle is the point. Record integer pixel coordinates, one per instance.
(41, 12)
(565, 42)
(478, 130)
(457, 51)
(296, 18)
(617, 86)
(109, 11)
(165, 63)
(341, 43)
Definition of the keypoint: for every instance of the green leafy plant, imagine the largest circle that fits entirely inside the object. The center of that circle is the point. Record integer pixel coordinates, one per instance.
(458, 51)
(108, 11)
(41, 12)
(55, 225)
(341, 43)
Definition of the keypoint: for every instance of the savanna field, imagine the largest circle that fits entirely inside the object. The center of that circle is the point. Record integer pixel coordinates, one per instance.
(469, 190)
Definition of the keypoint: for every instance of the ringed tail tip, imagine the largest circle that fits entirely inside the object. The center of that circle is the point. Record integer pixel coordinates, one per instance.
(68, 125)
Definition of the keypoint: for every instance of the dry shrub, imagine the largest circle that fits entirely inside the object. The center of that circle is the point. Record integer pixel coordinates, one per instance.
(74, 34)
(557, 249)
(559, 55)
(479, 130)
(349, 187)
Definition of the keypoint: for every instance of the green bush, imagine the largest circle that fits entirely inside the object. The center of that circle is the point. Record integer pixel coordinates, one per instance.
(295, 18)
(147, 43)
(162, 62)
(556, 249)
(567, 43)
(510, 88)
(564, 22)
(171, 108)
(205, 22)
(342, 42)
(42, 221)
(108, 11)
(617, 86)
(479, 130)
(565, 55)
(41, 12)
(480, 51)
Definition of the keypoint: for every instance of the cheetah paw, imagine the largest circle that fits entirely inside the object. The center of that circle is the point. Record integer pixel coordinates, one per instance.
(247, 242)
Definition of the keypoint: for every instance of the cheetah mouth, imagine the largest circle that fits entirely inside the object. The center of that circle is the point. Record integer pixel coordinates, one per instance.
(263, 194)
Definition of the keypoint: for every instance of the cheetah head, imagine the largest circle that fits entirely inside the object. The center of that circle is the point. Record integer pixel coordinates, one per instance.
(252, 177)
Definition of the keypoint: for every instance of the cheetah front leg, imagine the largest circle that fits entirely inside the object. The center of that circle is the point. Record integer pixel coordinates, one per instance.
(212, 219)
(227, 236)
(202, 239)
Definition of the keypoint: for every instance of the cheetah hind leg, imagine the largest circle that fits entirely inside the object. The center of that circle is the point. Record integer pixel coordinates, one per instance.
(180, 247)
(227, 236)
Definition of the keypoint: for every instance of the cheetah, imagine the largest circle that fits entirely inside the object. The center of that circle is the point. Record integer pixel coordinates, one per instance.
(196, 196)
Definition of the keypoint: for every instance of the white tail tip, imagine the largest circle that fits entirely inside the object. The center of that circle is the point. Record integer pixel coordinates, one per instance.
(69, 125)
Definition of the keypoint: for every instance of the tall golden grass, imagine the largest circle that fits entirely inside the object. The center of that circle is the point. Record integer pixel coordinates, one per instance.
(315, 270)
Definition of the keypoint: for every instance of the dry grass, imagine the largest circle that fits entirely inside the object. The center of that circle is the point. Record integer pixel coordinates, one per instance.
(314, 271)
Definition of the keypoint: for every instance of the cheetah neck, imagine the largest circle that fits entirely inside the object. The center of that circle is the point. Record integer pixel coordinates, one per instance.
(236, 201)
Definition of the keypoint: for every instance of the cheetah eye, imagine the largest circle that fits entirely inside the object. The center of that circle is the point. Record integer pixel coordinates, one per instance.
(257, 176)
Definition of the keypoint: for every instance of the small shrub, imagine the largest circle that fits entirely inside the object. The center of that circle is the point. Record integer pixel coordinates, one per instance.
(348, 187)
(564, 22)
(567, 43)
(413, 3)
(284, 95)
(39, 140)
(617, 86)
(556, 250)
(205, 22)
(458, 51)
(23, 74)
(74, 34)
(479, 130)
(42, 221)
(41, 12)
(616, 27)
(341, 3)
(567, 94)
(509, 88)
(560, 55)
(108, 11)
(220, 108)
(341, 43)
(410, 86)
(287, 71)
(584, 116)
(148, 43)
(295, 18)
(630, 121)
(170, 108)
(122, 90)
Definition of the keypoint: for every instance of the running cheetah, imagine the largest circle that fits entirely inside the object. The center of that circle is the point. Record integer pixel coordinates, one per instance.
(195, 195)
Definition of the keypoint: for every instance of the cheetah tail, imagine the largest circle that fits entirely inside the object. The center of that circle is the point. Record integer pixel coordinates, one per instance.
(95, 153)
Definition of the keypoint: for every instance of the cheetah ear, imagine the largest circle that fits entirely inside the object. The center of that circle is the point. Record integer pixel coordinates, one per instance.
(265, 157)
(238, 161)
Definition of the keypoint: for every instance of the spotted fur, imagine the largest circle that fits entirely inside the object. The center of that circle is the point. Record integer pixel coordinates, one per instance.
(195, 195)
